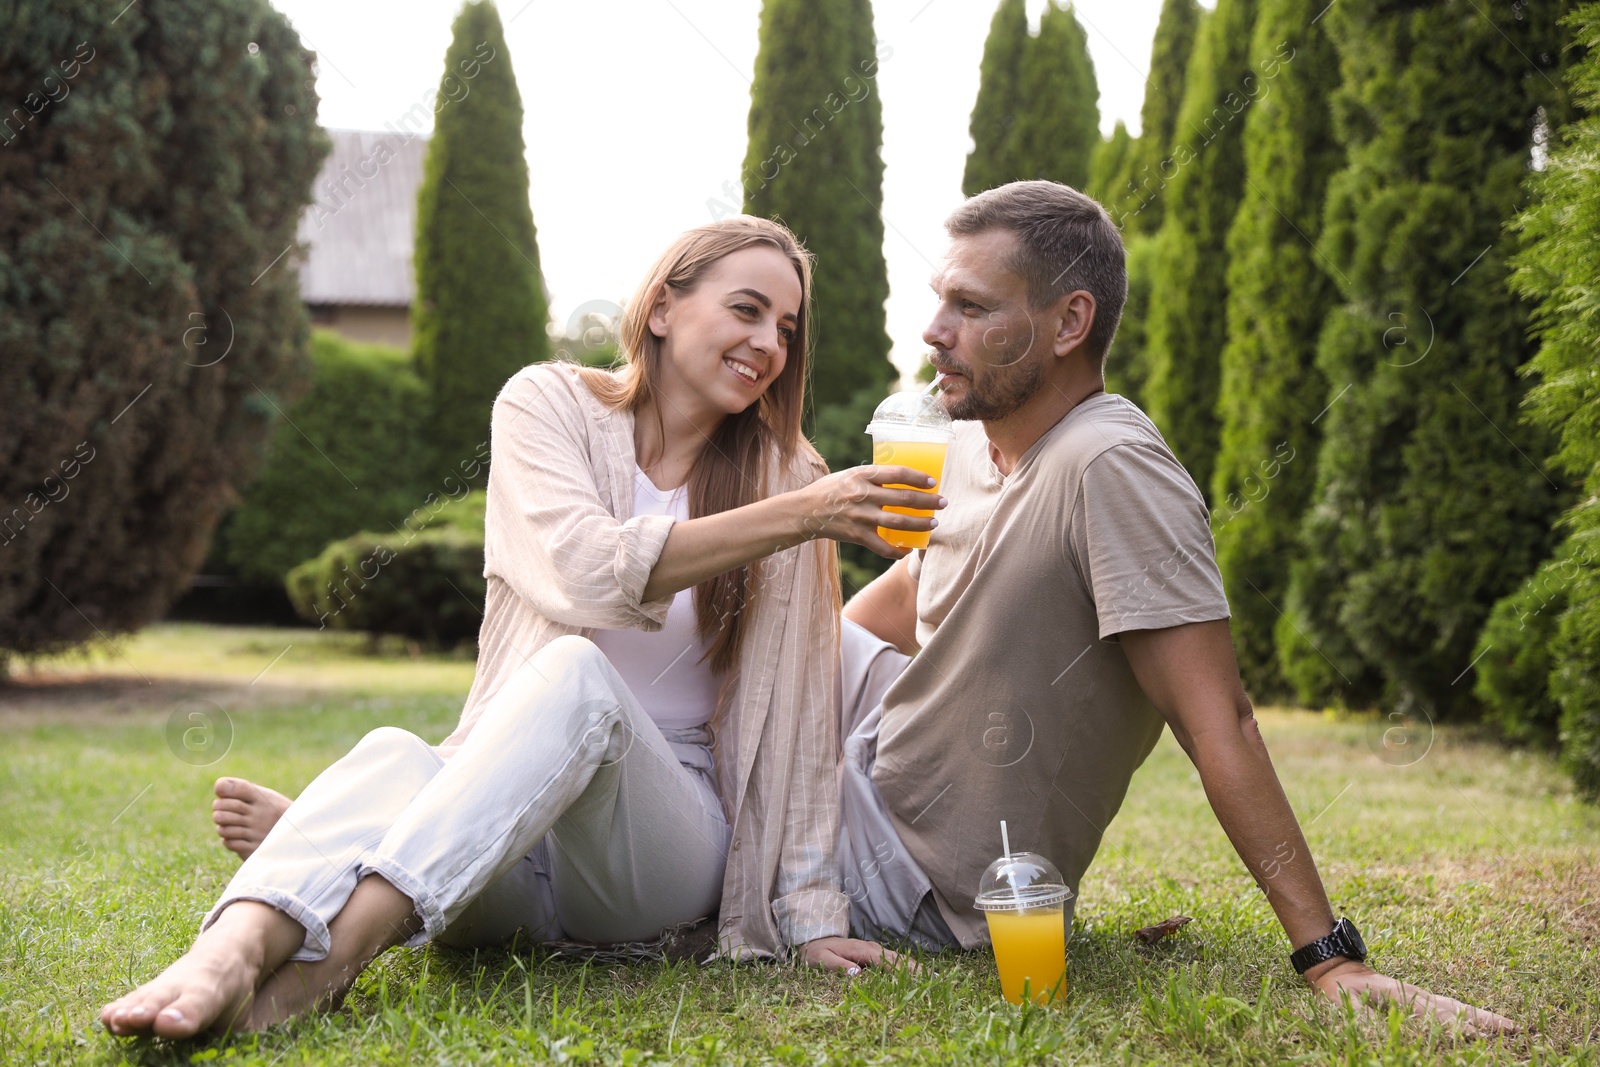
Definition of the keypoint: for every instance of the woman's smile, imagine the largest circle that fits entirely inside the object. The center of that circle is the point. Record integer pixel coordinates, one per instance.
(748, 373)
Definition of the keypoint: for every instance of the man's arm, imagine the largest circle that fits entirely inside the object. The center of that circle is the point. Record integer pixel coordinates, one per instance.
(888, 608)
(1190, 675)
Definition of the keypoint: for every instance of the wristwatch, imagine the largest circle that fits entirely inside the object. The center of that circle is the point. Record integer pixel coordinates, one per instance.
(1344, 941)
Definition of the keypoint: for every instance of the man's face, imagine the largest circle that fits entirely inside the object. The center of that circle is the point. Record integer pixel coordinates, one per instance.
(983, 334)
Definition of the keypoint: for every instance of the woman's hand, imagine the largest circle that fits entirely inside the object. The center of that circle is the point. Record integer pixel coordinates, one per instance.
(1342, 979)
(849, 954)
(849, 506)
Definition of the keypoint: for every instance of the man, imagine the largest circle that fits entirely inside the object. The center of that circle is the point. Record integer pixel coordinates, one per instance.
(1068, 605)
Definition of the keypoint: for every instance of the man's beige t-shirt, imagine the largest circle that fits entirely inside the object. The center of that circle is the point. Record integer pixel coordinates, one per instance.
(1021, 705)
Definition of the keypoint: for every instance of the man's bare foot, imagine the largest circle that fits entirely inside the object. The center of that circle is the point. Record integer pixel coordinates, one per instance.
(210, 986)
(244, 813)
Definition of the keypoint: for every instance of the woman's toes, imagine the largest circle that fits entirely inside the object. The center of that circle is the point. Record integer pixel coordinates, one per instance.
(190, 1013)
(108, 1013)
(171, 1022)
(242, 846)
(135, 1012)
(244, 813)
(237, 808)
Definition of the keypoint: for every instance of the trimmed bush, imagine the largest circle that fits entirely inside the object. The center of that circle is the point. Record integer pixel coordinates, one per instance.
(352, 455)
(424, 581)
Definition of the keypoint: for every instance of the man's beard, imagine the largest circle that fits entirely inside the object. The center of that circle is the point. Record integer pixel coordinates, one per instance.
(1003, 393)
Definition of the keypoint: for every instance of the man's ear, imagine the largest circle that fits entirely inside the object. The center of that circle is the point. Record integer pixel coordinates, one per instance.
(1074, 317)
(658, 311)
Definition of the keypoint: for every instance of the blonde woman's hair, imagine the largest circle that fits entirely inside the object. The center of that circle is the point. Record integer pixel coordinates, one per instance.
(729, 471)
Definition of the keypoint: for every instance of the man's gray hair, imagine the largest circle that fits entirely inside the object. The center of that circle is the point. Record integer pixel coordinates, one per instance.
(1066, 242)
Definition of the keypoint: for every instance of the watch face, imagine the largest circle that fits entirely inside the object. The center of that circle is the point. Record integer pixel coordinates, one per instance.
(1353, 936)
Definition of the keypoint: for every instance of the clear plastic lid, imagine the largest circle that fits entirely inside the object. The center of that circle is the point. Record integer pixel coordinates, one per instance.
(1022, 880)
(911, 416)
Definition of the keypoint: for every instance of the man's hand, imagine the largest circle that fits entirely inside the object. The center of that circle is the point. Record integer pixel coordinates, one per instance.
(1343, 979)
(1190, 675)
(849, 954)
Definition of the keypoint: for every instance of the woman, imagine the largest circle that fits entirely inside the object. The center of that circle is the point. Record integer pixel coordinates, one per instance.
(651, 600)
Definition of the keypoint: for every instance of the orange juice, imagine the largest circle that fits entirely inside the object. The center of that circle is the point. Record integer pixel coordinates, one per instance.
(925, 456)
(1030, 947)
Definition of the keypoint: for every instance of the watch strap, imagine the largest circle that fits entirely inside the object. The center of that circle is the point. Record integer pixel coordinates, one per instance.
(1345, 940)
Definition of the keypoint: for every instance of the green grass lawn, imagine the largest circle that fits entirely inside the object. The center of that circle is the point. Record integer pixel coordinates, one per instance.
(1471, 870)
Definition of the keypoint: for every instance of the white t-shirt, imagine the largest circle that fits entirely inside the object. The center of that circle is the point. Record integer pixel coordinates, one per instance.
(665, 670)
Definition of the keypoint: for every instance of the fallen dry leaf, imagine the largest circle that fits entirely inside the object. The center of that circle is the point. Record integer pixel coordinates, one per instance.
(1151, 934)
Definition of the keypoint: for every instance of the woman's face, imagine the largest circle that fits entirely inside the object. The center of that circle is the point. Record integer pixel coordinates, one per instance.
(726, 340)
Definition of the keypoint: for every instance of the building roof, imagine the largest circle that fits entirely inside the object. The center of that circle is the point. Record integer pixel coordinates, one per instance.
(362, 223)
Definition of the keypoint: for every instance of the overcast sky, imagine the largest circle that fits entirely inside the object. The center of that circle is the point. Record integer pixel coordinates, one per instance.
(636, 116)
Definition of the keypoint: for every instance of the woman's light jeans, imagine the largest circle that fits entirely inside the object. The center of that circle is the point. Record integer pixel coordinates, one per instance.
(567, 812)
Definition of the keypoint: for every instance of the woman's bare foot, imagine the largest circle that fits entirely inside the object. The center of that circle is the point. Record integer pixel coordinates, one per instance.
(376, 917)
(296, 988)
(244, 813)
(211, 986)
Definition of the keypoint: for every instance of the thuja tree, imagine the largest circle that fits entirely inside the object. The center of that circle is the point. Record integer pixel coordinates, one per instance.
(1110, 183)
(1148, 166)
(1000, 100)
(153, 171)
(1126, 369)
(1279, 290)
(1109, 170)
(1187, 321)
(1540, 656)
(480, 311)
(1037, 114)
(814, 162)
(1058, 128)
(1428, 507)
(1131, 190)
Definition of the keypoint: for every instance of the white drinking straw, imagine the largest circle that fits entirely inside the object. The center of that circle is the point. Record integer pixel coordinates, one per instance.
(1005, 841)
(938, 379)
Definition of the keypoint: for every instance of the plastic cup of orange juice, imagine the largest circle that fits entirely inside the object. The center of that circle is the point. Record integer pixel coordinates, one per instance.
(911, 430)
(1023, 898)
